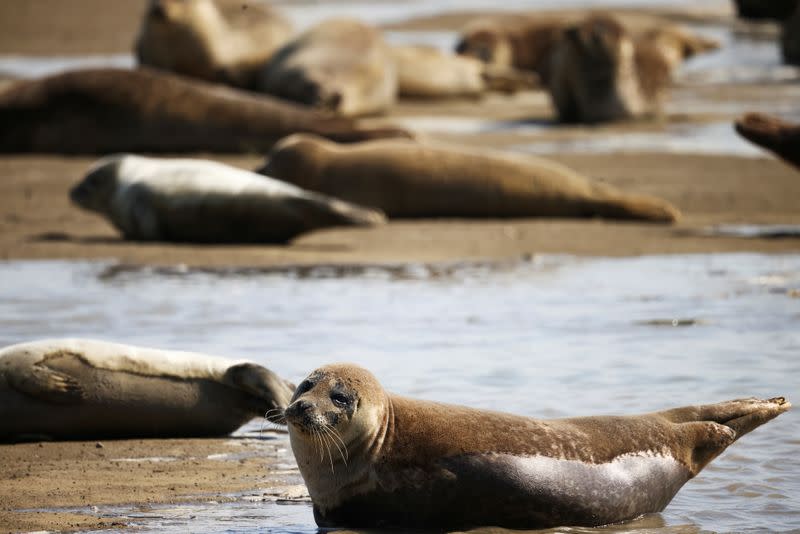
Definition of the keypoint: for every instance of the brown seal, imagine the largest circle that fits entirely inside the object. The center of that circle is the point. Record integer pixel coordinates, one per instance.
(207, 202)
(373, 459)
(595, 69)
(426, 72)
(85, 389)
(144, 110)
(342, 65)
(772, 133)
(599, 73)
(409, 179)
(216, 40)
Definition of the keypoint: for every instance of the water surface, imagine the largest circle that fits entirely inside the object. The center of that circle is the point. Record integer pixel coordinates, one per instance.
(555, 336)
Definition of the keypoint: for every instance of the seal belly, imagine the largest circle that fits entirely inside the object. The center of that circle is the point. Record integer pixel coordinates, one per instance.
(514, 492)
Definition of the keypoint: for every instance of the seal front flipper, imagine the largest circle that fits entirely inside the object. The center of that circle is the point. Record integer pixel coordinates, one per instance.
(40, 381)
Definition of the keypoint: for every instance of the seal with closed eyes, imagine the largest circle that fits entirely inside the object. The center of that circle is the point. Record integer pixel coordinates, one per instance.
(373, 459)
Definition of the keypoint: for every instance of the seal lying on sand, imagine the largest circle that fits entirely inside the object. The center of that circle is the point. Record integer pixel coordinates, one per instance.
(116, 110)
(84, 389)
(587, 65)
(409, 179)
(772, 133)
(341, 65)
(426, 72)
(216, 40)
(373, 459)
(600, 74)
(205, 201)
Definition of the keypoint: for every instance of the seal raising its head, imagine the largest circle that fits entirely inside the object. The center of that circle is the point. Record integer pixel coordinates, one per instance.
(85, 389)
(373, 459)
(216, 40)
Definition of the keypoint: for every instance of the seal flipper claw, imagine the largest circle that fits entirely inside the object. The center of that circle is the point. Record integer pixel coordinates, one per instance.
(47, 385)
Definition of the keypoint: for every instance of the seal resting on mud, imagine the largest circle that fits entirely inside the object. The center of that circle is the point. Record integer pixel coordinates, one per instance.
(405, 179)
(223, 41)
(341, 65)
(776, 135)
(145, 110)
(373, 459)
(86, 389)
(208, 202)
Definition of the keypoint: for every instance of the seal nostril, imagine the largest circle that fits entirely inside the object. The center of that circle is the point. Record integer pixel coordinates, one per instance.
(298, 408)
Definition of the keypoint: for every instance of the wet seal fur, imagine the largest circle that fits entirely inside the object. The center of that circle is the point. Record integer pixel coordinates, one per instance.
(409, 179)
(223, 41)
(145, 110)
(776, 135)
(341, 65)
(208, 202)
(373, 459)
(87, 389)
(427, 72)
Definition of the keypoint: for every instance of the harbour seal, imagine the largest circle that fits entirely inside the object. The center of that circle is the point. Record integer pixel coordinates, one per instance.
(88, 389)
(204, 201)
(341, 65)
(426, 72)
(373, 459)
(774, 134)
(575, 58)
(410, 179)
(223, 41)
(599, 73)
(117, 110)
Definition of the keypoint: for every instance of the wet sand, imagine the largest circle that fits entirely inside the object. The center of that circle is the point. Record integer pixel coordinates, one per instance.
(37, 222)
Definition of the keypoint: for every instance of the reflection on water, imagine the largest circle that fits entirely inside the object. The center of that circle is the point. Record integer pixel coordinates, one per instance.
(552, 337)
(714, 138)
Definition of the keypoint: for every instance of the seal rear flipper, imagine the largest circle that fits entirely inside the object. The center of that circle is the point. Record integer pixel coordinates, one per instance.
(773, 134)
(615, 204)
(317, 210)
(46, 384)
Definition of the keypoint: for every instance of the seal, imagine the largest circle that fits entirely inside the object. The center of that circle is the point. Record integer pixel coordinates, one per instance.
(575, 58)
(215, 40)
(341, 65)
(523, 42)
(776, 135)
(374, 459)
(409, 179)
(88, 389)
(206, 202)
(426, 72)
(600, 74)
(117, 110)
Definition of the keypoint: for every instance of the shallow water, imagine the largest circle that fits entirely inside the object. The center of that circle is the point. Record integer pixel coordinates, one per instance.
(554, 336)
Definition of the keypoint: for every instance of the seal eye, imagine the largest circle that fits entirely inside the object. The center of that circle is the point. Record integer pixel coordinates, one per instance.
(340, 399)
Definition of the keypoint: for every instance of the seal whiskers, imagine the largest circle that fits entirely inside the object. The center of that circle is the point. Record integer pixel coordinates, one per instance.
(425, 465)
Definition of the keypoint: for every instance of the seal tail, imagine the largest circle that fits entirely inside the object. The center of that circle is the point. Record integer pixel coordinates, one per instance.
(320, 210)
(773, 134)
(614, 204)
(713, 427)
